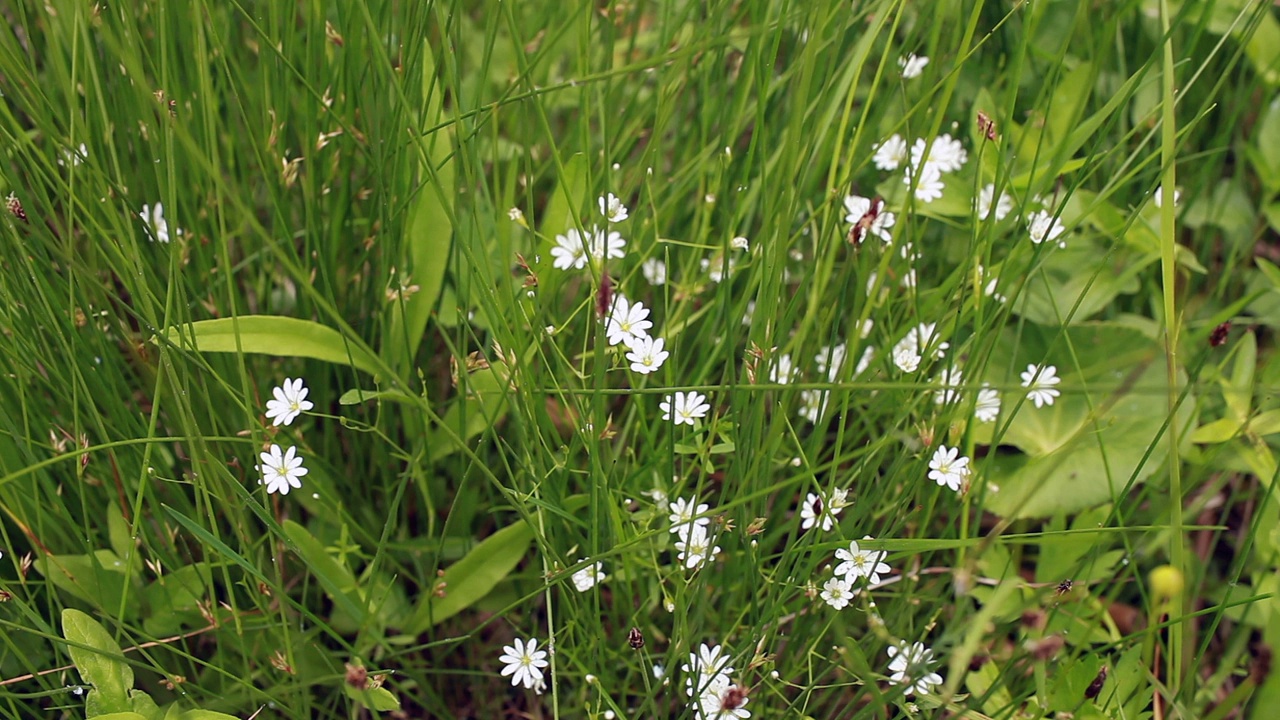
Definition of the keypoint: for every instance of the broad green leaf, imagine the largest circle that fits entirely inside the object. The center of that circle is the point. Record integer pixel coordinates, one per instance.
(355, 396)
(1077, 456)
(1267, 423)
(1226, 206)
(334, 577)
(1029, 180)
(1266, 142)
(272, 335)
(1237, 390)
(1269, 271)
(568, 197)
(98, 659)
(1263, 48)
(1271, 211)
(126, 715)
(1087, 129)
(1068, 103)
(1130, 681)
(1067, 689)
(118, 532)
(1084, 269)
(100, 579)
(379, 698)
(429, 231)
(173, 599)
(472, 577)
(201, 714)
(1218, 431)
(1065, 556)
(987, 679)
(144, 705)
(483, 405)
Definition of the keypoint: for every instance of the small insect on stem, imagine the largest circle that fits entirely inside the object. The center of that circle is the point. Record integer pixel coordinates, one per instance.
(858, 232)
(1095, 687)
(1064, 587)
(986, 125)
(734, 698)
(1219, 334)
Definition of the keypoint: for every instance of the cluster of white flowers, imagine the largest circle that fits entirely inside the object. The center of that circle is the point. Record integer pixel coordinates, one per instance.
(822, 509)
(628, 323)
(1003, 206)
(574, 249)
(944, 155)
(857, 564)
(987, 408)
(912, 348)
(696, 545)
(708, 683)
(911, 666)
(283, 470)
(524, 662)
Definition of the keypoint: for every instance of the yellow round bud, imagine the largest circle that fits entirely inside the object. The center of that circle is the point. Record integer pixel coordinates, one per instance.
(1166, 582)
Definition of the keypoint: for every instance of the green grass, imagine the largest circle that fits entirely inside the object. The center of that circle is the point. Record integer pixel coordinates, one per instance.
(475, 438)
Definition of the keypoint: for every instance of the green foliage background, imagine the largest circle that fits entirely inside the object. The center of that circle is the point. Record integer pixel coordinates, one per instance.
(342, 175)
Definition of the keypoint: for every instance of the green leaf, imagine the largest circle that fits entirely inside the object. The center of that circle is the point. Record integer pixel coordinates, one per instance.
(273, 335)
(98, 658)
(1266, 144)
(1064, 556)
(1269, 271)
(334, 577)
(1267, 423)
(126, 715)
(1218, 431)
(1068, 103)
(144, 705)
(355, 396)
(1084, 269)
(429, 231)
(987, 679)
(379, 699)
(118, 532)
(101, 579)
(1271, 211)
(1226, 206)
(472, 577)
(200, 714)
(1078, 456)
(569, 195)
(1067, 691)
(173, 599)
(1237, 391)
(484, 404)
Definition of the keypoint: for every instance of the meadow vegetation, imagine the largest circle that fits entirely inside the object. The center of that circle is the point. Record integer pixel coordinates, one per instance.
(643, 359)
